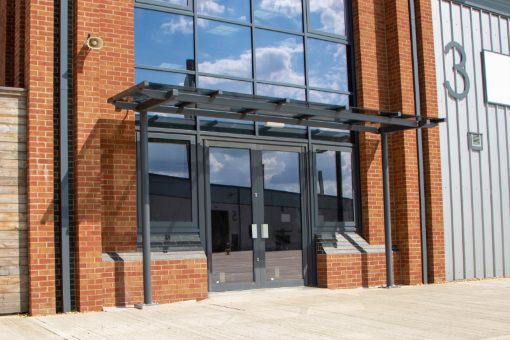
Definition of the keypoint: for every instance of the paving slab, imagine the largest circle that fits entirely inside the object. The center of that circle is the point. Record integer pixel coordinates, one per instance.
(460, 310)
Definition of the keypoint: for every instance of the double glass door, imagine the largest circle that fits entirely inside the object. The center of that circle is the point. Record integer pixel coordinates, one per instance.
(255, 222)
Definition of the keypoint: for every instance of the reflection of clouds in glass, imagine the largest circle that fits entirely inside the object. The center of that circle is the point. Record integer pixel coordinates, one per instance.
(228, 9)
(346, 175)
(328, 16)
(226, 85)
(280, 91)
(281, 171)
(240, 66)
(279, 60)
(178, 24)
(328, 98)
(168, 159)
(327, 63)
(210, 7)
(218, 55)
(279, 13)
(230, 167)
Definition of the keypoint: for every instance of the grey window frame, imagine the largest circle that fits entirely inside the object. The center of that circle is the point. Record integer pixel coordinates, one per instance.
(159, 4)
(335, 226)
(174, 226)
(336, 37)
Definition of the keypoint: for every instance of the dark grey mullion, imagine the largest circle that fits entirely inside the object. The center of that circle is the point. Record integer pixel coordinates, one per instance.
(253, 58)
(205, 74)
(162, 69)
(152, 5)
(313, 88)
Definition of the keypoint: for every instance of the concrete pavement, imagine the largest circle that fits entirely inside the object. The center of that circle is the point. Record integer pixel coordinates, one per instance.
(463, 310)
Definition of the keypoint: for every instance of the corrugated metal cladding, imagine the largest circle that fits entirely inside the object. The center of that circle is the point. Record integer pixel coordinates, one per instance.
(476, 188)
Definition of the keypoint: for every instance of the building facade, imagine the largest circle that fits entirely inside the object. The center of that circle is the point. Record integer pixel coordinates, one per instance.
(234, 204)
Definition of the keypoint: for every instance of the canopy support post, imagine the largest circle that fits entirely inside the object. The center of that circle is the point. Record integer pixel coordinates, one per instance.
(146, 228)
(387, 212)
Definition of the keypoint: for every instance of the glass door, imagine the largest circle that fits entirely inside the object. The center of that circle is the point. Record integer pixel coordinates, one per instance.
(231, 217)
(283, 218)
(255, 217)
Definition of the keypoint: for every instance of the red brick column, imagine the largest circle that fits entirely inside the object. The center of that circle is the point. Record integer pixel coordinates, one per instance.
(372, 91)
(39, 80)
(403, 151)
(105, 164)
(431, 144)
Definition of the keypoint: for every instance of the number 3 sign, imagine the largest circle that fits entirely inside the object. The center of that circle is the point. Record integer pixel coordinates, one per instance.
(460, 68)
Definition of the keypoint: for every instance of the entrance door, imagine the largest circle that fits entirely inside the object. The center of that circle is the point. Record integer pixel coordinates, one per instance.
(255, 222)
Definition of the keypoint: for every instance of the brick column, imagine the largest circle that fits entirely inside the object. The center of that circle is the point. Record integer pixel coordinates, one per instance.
(39, 80)
(105, 164)
(431, 144)
(372, 91)
(403, 151)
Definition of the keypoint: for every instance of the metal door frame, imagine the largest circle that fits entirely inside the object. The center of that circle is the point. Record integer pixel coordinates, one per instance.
(255, 149)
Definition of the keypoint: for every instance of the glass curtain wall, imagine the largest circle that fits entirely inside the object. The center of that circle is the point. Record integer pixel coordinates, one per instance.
(287, 49)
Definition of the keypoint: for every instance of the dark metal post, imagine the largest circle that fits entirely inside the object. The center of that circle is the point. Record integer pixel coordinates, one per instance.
(387, 211)
(64, 158)
(146, 229)
(419, 143)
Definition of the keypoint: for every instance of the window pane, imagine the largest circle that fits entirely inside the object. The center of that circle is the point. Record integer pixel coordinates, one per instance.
(327, 16)
(163, 39)
(280, 57)
(170, 182)
(230, 167)
(334, 186)
(281, 92)
(228, 85)
(281, 171)
(327, 65)
(328, 98)
(228, 9)
(224, 49)
(163, 77)
(281, 14)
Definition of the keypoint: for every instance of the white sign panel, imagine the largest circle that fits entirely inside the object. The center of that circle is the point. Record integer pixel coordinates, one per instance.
(497, 78)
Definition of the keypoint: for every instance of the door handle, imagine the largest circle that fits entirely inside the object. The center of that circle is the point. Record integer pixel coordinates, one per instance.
(254, 233)
(264, 231)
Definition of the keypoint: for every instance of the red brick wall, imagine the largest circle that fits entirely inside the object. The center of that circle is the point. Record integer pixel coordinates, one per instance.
(172, 281)
(39, 80)
(351, 270)
(105, 163)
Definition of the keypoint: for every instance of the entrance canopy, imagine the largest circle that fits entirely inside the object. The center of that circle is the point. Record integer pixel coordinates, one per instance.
(152, 97)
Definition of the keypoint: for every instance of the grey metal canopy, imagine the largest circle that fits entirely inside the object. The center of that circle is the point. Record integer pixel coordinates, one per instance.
(152, 97)
(162, 98)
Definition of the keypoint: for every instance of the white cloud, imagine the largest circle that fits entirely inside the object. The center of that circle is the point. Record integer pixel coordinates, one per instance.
(331, 15)
(275, 63)
(178, 24)
(215, 165)
(236, 66)
(210, 7)
(288, 8)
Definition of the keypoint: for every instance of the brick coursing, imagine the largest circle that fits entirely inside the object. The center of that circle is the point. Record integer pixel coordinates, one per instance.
(172, 280)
